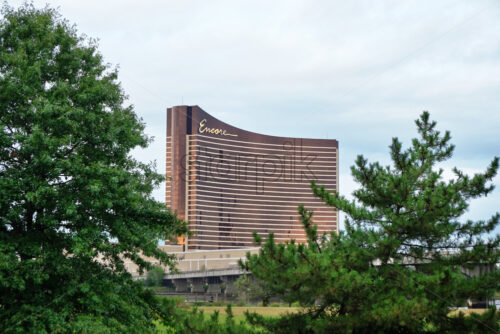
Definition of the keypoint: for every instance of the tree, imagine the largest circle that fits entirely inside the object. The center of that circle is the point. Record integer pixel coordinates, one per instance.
(398, 266)
(251, 289)
(73, 203)
(155, 276)
(223, 287)
(197, 322)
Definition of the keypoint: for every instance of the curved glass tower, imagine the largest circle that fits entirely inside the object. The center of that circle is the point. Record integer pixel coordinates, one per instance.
(228, 182)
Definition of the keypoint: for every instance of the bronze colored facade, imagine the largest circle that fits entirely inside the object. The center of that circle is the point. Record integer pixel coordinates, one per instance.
(228, 183)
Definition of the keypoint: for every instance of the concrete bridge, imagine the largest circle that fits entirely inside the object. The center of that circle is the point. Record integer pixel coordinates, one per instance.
(193, 282)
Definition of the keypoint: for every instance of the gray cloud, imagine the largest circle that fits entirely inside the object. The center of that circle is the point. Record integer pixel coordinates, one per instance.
(357, 71)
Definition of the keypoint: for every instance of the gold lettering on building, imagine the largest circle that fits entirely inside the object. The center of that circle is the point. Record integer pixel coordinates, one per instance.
(205, 129)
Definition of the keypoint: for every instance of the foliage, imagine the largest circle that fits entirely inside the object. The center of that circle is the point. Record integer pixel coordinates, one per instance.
(399, 265)
(223, 287)
(197, 322)
(250, 289)
(154, 276)
(73, 203)
(209, 304)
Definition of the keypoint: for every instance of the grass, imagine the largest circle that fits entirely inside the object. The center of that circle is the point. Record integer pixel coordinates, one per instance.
(469, 311)
(240, 310)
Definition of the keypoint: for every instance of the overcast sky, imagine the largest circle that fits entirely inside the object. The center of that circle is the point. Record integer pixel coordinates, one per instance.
(357, 71)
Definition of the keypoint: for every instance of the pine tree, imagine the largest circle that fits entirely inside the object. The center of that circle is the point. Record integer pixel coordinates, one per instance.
(402, 261)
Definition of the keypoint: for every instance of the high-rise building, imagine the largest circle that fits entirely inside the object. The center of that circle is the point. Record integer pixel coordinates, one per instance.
(228, 183)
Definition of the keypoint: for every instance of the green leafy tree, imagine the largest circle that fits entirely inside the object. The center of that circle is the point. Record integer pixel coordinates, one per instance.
(197, 322)
(73, 203)
(399, 266)
(155, 276)
(250, 289)
(223, 287)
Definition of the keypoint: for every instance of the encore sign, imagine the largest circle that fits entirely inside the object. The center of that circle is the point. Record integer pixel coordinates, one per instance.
(205, 129)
